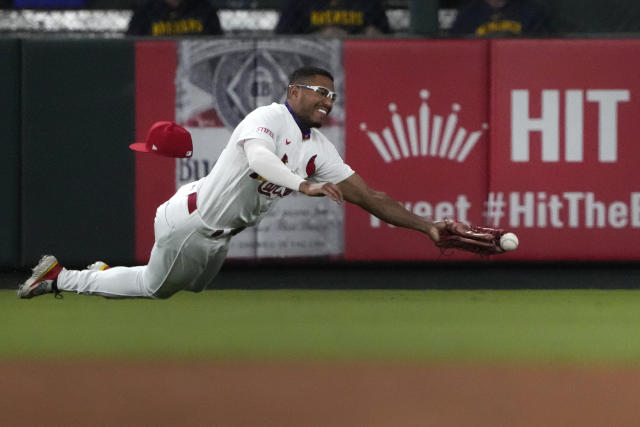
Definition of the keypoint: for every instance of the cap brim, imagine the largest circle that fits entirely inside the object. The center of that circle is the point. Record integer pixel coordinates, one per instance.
(139, 146)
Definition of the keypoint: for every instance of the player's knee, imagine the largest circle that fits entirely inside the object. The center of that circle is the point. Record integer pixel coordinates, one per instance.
(165, 292)
(162, 296)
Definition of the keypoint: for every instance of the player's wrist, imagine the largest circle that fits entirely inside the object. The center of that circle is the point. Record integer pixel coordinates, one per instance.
(304, 186)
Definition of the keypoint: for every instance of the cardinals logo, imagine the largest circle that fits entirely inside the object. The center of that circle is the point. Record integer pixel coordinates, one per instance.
(270, 189)
(311, 166)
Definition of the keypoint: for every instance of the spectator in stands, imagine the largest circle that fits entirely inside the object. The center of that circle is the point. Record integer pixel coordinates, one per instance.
(175, 18)
(333, 17)
(501, 18)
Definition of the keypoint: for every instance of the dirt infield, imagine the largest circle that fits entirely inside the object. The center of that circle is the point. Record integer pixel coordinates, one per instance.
(304, 394)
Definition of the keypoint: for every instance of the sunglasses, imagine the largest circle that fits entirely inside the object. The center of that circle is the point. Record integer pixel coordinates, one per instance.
(320, 90)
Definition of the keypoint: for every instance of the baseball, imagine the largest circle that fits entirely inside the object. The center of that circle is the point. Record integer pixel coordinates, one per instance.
(508, 241)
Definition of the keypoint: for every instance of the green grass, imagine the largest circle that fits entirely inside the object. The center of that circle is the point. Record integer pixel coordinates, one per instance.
(590, 326)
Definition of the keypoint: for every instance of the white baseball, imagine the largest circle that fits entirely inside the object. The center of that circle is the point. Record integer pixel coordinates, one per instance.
(509, 242)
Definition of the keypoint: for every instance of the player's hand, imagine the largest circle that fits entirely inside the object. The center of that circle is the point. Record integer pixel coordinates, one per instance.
(322, 189)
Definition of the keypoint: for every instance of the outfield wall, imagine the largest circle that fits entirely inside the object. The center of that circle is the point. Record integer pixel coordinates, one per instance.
(10, 160)
(536, 136)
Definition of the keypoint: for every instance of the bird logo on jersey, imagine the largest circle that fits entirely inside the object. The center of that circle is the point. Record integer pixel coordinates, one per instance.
(311, 166)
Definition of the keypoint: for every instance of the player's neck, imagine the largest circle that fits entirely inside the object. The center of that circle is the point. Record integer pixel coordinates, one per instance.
(306, 130)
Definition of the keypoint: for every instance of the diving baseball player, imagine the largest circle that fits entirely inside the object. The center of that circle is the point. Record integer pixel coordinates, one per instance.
(276, 150)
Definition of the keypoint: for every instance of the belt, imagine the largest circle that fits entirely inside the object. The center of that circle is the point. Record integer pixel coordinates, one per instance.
(192, 205)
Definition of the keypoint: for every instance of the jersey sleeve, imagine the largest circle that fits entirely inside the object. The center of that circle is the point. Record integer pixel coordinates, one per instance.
(327, 165)
(262, 123)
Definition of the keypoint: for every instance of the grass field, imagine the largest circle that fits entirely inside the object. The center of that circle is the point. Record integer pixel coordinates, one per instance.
(564, 326)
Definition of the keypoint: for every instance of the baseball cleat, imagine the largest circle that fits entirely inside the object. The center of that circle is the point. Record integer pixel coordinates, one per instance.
(42, 280)
(97, 266)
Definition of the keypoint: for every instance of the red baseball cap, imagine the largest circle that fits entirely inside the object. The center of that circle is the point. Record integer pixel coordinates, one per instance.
(166, 139)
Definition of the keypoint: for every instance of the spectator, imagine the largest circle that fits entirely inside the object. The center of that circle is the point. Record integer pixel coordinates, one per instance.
(501, 18)
(175, 18)
(333, 17)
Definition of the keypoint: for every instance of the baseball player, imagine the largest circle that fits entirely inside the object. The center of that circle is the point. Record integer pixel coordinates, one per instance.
(276, 150)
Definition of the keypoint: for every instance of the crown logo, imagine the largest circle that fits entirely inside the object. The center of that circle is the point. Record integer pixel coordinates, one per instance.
(425, 136)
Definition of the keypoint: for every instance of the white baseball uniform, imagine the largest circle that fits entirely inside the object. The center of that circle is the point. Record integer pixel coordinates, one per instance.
(194, 227)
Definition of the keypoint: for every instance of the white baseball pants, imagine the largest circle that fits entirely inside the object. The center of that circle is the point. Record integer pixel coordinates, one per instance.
(184, 257)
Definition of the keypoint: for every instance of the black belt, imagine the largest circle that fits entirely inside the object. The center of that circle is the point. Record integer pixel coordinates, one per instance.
(192, 205)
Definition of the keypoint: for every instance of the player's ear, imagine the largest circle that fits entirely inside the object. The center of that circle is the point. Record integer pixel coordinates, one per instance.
(296, 91)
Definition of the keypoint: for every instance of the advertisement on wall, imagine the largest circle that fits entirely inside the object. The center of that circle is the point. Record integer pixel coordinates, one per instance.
(532, 136)
(564, 152)
(417, 130)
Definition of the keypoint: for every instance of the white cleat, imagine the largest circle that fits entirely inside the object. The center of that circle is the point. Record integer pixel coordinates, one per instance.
(42, 280)
(97, 266)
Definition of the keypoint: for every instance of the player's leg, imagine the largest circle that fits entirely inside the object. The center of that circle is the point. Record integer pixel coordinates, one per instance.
(184, 259)
(115, 282)
(172, 227)
(190, 264)
(181, 258)
(185, 256)
(216, 257)
(49, 276)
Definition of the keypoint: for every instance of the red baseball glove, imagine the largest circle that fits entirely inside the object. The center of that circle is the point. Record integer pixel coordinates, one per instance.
(480, 240)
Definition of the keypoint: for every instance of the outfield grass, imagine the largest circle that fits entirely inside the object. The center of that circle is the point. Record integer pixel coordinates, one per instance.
(590, 326)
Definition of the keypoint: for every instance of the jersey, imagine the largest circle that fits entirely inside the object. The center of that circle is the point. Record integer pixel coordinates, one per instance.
(191, 17)
(353, 16)
(516, 18)
(233, 196)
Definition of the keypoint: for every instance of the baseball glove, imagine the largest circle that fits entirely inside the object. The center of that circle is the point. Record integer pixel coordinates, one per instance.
(480, 240)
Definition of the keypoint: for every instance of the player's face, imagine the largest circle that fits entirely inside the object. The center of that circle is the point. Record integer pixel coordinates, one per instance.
(311, 106)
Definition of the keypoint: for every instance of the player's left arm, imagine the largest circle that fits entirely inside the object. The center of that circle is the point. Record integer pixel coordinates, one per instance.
(355, 190)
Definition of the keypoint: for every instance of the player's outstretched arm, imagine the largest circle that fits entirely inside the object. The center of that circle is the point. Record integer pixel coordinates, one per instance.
(355, 190)
(448, 234)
